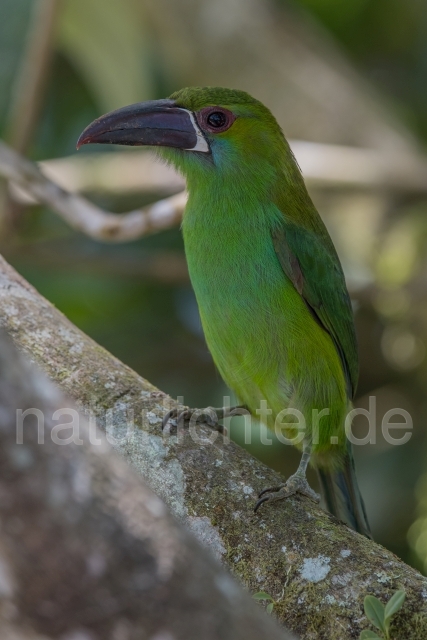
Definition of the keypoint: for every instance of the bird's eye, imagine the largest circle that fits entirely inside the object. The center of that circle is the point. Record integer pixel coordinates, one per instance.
(217, 119)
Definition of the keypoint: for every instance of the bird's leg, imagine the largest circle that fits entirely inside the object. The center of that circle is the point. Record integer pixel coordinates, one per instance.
(295, 484)
(211, 416)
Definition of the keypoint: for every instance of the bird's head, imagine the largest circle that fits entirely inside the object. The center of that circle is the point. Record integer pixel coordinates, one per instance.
(201, 130)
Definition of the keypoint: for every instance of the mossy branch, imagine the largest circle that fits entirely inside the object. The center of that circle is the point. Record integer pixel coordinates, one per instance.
(316, 570)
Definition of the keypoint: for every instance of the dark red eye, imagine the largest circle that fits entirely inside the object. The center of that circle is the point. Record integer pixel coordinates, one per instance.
(215, 119)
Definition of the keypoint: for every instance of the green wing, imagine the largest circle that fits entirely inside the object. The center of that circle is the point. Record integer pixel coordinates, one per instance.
(310, 261)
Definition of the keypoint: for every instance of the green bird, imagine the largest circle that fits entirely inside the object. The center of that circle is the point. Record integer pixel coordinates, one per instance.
(271, 292)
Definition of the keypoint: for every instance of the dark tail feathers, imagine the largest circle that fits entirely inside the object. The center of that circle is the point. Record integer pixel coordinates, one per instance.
(342, 496)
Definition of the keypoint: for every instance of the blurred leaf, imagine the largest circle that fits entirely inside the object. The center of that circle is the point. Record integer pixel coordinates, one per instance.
(367, 634)
(15, 18)
(262, 595)
(104, 39)
(270, 607)
(374, 610)
(394, 604)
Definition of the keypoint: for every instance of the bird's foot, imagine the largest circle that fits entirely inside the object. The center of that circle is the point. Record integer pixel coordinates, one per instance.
(182, 418)
(295, 484)
(210, 416)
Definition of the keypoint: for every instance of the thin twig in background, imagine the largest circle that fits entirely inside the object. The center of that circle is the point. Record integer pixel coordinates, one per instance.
(84, 216)
(322, 165)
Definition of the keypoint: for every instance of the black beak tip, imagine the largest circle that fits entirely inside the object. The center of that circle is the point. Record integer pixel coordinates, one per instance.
(83, 139)
(93, 133)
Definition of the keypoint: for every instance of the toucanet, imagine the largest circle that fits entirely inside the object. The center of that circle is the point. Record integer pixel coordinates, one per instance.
(272, 297)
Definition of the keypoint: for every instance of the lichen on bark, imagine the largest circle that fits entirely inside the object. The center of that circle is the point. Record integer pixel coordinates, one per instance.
(316, 568)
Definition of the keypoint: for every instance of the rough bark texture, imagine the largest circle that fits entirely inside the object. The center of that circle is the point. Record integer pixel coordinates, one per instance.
(87, 551)
(317, 569)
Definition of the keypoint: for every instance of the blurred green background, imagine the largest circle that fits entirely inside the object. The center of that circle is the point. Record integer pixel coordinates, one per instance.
(351, 74)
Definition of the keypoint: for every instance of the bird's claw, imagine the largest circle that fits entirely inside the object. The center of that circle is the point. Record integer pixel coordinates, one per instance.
(295, 484)
(174, 417)
(184, 417)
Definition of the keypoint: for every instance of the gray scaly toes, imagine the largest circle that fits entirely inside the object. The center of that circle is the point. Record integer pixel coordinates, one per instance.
(295, 484)
(183, 417)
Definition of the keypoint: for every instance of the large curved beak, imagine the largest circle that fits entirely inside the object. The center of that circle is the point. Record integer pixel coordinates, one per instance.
(154, 123)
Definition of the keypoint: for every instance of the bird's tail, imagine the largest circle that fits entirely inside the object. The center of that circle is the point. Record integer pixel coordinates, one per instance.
(342, 496)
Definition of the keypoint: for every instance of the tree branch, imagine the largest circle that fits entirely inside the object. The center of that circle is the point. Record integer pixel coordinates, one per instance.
(87, 550)
(84, 216)
(325, 166)
(316, 568)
